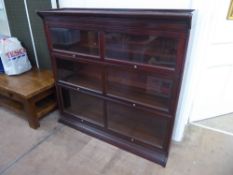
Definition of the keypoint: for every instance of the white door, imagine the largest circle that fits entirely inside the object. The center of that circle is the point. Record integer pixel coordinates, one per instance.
(214, 92)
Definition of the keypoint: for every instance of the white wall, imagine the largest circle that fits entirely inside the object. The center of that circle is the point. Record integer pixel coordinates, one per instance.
(126, 3)
(4, 29)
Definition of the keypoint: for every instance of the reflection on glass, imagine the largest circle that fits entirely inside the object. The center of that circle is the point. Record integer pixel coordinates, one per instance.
(84, 75)
(137, 124)
(84, 106)
(143, 88)
(146, 49)
(75, 40)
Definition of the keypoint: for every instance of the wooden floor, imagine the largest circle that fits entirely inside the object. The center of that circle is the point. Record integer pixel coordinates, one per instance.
(55, 149)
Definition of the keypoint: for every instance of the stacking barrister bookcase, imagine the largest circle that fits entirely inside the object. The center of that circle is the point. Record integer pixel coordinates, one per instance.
(118, 73)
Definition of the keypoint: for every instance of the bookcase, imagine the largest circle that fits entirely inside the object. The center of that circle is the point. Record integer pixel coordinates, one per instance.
(118, 73)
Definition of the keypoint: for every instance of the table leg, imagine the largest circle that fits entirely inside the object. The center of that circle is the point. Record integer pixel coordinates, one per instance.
(31, 114)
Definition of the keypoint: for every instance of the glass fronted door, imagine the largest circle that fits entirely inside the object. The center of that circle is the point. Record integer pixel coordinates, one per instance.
(136, 124)
(83, 75)
(141, 48)
(79, 41)
(85, 107)
(144, 88)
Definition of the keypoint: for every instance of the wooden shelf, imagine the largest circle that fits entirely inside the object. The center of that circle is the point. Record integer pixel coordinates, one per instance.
(136, 92)
(83, 81)
(137, 81)
(83, 75)
(45, 105)
(11, 104)
(42, 107)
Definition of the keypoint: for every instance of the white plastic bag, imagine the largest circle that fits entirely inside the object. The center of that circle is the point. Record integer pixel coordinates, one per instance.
(14, 56)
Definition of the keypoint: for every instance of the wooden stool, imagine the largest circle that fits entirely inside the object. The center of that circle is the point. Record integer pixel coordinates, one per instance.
(31, 93)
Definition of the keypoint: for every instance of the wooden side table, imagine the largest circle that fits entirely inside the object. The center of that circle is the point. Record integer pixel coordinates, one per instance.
(31, 93)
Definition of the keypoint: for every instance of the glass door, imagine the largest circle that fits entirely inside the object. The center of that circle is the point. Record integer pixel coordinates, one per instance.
(84, 75)
(75, 40)
(137, 124)
(142, 88)
(86, 107)
(157, 50)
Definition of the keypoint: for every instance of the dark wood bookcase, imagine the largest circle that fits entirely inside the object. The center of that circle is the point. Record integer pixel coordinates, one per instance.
(118, 73)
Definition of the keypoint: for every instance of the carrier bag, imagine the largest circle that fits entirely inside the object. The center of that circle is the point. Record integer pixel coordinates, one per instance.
(14, 56)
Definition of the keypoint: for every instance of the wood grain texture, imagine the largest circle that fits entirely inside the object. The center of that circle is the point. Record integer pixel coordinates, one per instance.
(31, 93)
(28, 84)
